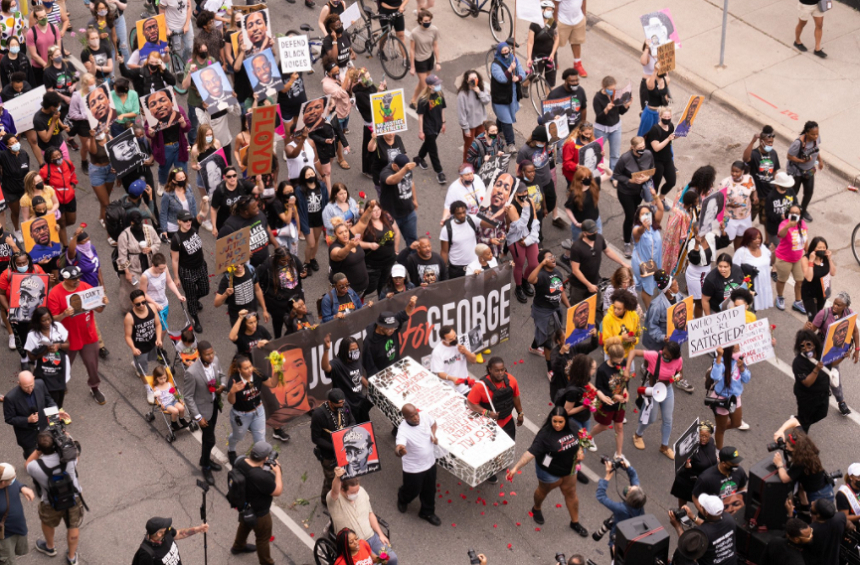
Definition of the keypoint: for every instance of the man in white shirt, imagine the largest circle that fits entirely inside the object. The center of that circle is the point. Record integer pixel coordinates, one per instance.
(349, 507)
(570, 15)
(178, 18)
(450, 360)
(416, 437)
(459, 237)
(467, 188)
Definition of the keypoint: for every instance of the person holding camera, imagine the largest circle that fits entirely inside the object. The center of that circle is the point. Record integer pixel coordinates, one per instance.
(13, 542)
(327, 418)
(718, 527)
(725, 480)
(24, 410)
(263, 482)
(58, 487)
(804, 465)
(727, 378)
(159, 545)
(634, 497)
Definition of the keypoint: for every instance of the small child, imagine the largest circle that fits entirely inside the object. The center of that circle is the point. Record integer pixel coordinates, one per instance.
(165, 394)
(187, 348)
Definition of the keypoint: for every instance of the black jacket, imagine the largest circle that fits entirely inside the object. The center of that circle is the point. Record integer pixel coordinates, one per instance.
(145, 82)
(323, 424)
(16, 410)
(627, 165)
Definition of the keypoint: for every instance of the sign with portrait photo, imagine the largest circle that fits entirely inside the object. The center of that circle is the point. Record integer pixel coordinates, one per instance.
(212, 170)
(86, 300)
(153, 32)
(215, 89)
(263, 74)
(837, 342)
(41, 238)
(160, 109)
(232, 249)
(24, 107)
(28, 292)
(389, 111)
(473, 339)
(256, 32)
(356, 451)
(659, 28)
(677, 316)
(556, 111)
(499, 194)
(99, 108)
(295, 54)
(580, 321)
(591, 155)
(124, 153)
(686, 446)
(313, 113)
(557, 130)
(691, 110)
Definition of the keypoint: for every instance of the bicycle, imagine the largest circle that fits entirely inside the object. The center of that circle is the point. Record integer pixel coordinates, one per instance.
(314, 43)
(501, 21)
(536, 83)
(177, 65)
(392, 55)
(855, 235)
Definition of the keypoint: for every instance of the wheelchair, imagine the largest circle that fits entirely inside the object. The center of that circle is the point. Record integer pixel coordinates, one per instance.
(325, 551)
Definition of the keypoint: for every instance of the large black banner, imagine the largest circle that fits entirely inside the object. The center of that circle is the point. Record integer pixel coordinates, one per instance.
(477, 300)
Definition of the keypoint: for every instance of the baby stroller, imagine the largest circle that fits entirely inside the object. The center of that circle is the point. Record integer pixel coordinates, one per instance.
(155, 406)
(180, 355)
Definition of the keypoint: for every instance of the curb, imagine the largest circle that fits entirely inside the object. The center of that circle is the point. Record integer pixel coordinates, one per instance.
(712, 92)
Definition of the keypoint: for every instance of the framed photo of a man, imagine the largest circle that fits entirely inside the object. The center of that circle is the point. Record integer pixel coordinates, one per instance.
(263, 72)
(215, 89)
(355, 449)
(99, 108)
(591, 155)
(312, 114)
(677, 317)
(256, 32)
(212, 170)
(152, 35)
(837, 342)
(580, 321)
(41, 238)
(124, 153)
(160, 109)
(29, 291)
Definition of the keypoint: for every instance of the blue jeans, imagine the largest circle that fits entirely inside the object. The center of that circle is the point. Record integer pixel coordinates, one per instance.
(826, 492)
(122, 35)
(575, 232)
(183, 41)
(241, 423)
(666, 409)
(614, 138)
(507, 131)
(408, 227)
(376, 545)
(171, 159)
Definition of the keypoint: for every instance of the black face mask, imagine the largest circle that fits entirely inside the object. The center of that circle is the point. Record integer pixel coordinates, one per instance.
(153, 68)
(180, 182)
(590, 236)
(666, 122)
(586, 181)
(310, 181)
(40, 185)
(121, 90)
(637, 153)
(466, 182)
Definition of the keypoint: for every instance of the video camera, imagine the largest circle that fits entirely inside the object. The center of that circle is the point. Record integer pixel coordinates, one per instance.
(271, 460)
(834, 476)
(607, 525)
(730, 404)
(67, 448)
(616, 463)
(681, 515)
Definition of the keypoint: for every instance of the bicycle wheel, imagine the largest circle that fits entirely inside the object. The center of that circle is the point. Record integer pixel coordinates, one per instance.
(491, 55)
(393, 58)
(359, 35)
(501, 22)
(538, 91)
(179, 71)
(132, 40)
(855, 242)
(461, 7)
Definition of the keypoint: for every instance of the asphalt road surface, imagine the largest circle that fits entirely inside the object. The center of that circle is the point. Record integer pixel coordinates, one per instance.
(130, 473)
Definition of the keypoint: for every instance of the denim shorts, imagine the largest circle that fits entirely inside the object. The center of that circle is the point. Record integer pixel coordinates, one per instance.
(101, 174)
(545, 477)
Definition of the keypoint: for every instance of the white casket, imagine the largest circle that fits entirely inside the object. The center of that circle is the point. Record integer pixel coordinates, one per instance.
(471, 447)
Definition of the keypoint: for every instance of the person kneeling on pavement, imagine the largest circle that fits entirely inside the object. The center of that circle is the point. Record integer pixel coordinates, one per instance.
(262, 483)
(634, 498)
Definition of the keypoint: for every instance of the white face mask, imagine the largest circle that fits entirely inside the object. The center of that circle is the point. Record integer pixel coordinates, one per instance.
(547, 14)
(353, 356)
(100, 137)
(352, 496)
(209, 139)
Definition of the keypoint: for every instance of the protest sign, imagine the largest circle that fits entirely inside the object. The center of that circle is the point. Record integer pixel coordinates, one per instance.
(41, 238)
(262, 137)
(295, 54)
(493, 167)
(557, 129)
(659, 27)
(389, 111)
(351, 15)
(23, 108)
(212, 170)
(256, 31)
(757, 345)
(666, 57)
(355, 450)
(152, 35)
(687, 445)
(262, 70)
(838, 340)
(28, 292)
(99, 108)
(708, 333)
(677, 317)
(473, 339)
(530, 11)
(313, 114)
(499, 194)
(591, 155)
(86, 300)
(124, 153)
(691, 110)
(214, 88)
(232, 249)
(580, 321)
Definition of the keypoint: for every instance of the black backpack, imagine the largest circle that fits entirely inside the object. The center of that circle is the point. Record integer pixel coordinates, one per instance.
(236, 487)
(451, 230)
(503, 398)
(61, 487)
(115, 218)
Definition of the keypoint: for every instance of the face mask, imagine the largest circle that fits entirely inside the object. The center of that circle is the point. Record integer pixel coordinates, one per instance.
(437, 88)
(821, 254)
(13, 8)
(590, 236)
(547, 14)
(466, 182)
(154, 68)
(120, 90)
(610, 93)
(353, 356)
(809, 354)
(86, 248)
(459, 221)
(768, 148)
(102, 13)
(100, 137)
(22, 269)
(15, 50)
(539, 144)
(16, 147)
(58, 57)
(40, 185)
(491, 136)
(426, 24)
(43, 21)
(352, 496)
(586, 181)
(94, 44)
(311, 181)
(666, 122)
(209, 139)
(180, 182)
(58, 162)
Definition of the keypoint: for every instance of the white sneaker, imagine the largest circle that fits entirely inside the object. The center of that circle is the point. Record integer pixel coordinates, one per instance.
(160, 190)
(592, 447)
(207, 225)
(11, 341)
(150, 395)
(744, 426)
(111, 241)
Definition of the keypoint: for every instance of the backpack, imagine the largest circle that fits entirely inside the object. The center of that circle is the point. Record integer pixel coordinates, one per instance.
(451, 230)
(503, 398)
(236, 487)
(61, 487)
(115, 218)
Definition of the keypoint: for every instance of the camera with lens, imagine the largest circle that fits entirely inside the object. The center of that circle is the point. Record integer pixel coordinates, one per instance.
(560, 559)
(607, 525)
(67, 448)
(616, 463)
(729, 404)
(834, 476)
(271, 460)
(473, 557)
(778, 444)
(681, 515)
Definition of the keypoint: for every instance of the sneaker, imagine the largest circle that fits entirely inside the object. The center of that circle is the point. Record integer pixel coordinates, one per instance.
(421, 163)
(412, 106)
(800, 47)
(592, 447)
(580, 69)
(174, 426)
(511, 148)
(638, 442)
(823, 55)
(111, 241)
(248, 548)
(440, 178)
(685, 385)
(73, 145)
(85, 167)
(42, 546)
(98, 396)
(806, 215)
(780, 302)
(744, 426)
(150, 395)
(628, 250)
(308, 269)
(843, 409)
(160, 189)
(578, 528)
(581, 478)
(493, 480)
(625, 420)
(565, 259)
(773, 276)
(72, 560)
(207, 225)
(280, 434)
(538, 351)
(11, 341)
(537, 516)
(798, 307)
(620, 457)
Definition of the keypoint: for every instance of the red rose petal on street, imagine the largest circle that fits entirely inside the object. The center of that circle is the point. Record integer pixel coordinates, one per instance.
(495, 525)
(521, 360)
(513, 493)
(495, 504)
(312, 535)
(440, 496)
(438, 485)
(459, 483)
(453, 525)
(519, 472)
(537, 529)
(463, 496)
(611, 427)
(484, 502)
(449, 501)
(509, 546)
(531, 514)
(504, 502)
(518, 523)
(446, 492)
(482, 513)
(501, 494)
(271, 539)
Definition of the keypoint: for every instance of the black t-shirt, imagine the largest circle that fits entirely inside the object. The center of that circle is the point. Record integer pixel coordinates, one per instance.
(658, 134)
(100, 56)
(249, 397)
(589, 260)
(259, 486)
(223, 199)
(243, 296)
(431, 108)
(606, 379)
(416, 267)
(385, 253)
(775, 205)
(763, 168)
(589, 210)
(347, 377)
(722, 543)
(245, 343)
(259, 234)
(814, 289)
(165, 553)
(809, 395)
(574, 395)
(713, 482)
(343, 46)
(352, 266)
(60, 79)
(15, 168)
(294, 97)
(289, 282)
(555, 452)
(381, 351)
(8, 92)
(396, 199)
(719, 288)
(578, 102)
(189, 246)
(40, 123)
(810, 483)
(827, 539)
(549, 288)
(384, 155)
(783, 552)
(298, 324)
(544, 39)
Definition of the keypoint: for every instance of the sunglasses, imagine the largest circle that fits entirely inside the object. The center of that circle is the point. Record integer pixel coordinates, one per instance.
(230, 176)
(140, 303)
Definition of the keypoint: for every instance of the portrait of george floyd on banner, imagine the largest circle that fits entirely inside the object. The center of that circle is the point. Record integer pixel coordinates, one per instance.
(465, 302)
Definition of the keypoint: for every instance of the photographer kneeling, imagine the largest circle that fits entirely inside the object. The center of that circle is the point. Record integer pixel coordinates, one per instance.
(718, 527)
(634, 497)
(262, 482)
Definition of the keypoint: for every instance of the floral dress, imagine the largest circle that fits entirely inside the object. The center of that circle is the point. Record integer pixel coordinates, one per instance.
(675, 240)
(11, 26)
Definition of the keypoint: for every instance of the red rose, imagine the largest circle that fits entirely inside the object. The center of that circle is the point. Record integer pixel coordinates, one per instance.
(362, 194)
(172, 390)
(631, 334)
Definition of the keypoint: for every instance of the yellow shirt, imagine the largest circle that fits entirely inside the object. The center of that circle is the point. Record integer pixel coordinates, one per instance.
(47, 194)
(613, 327)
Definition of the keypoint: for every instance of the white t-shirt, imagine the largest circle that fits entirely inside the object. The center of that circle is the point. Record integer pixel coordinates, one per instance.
(418, 441)
(570, 12)
(450, 361)
(476, 266)
(461, 250)
(175, 13)
(471, 196)
(51, 461)
(59, 334)
(305, 158)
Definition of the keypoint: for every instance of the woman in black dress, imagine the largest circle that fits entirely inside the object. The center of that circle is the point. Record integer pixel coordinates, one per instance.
(704, 458)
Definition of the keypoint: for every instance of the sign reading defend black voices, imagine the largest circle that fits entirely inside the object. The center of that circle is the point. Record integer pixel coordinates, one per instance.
(466, 302)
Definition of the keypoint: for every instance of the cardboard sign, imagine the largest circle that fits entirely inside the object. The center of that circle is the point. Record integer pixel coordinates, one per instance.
(24, 107)
(677, 317)
(214, 88)
(557, 129)
(351, 15)
(757, 344)
(356, 451)
(691, 110)
(41, 238)
(235, 38)
(530, 11)
(500, 192)
(262, 137)
(659, 28)
(212, 170)
(389, 111)
(28, 292)
(722, 329)
(153, 32)
(86, 300)
(580, 321)
(232, 249)
(666, 57)
(124, 153)
(160, 109)
(837, 342)
(687, 445)
(295, 54)
(591, 155)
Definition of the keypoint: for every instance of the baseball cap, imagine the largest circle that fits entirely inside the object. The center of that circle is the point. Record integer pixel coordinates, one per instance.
(155, 524)
(521, 187)
(401, 160)
(854, 469)
(261, 450)
(70, 272)
(432, 80)
(33, 286)
(589, 226)
(387, 320)
(465, 169)
(711, 504)
(399, 270)
(692, 544)
(183, 216)
(730, 455)
(137, 188)
(539, 134)
(7, 472)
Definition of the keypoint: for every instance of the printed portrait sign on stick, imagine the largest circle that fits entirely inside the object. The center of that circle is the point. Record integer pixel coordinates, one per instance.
(262, 137)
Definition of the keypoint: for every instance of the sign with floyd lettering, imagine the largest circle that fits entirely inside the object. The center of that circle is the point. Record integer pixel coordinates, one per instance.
(262, 137)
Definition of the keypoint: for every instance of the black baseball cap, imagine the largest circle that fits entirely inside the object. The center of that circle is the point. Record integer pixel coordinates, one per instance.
(70, 272)
(387, 320)
(155, 524)
(730, 455)
(184, 216)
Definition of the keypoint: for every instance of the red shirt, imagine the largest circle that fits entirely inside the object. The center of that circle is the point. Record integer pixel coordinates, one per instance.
(363, 557)
(6, 280)
(478, 394)
(81, 328)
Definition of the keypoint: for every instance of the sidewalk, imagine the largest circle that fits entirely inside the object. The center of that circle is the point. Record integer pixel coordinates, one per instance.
(765, 78)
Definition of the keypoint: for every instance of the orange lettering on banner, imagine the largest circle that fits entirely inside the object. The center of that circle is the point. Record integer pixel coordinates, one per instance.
(262, 136)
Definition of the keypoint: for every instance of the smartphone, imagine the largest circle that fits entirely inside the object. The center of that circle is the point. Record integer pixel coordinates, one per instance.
(794, 217)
